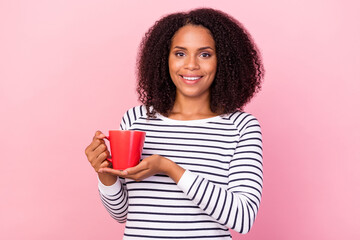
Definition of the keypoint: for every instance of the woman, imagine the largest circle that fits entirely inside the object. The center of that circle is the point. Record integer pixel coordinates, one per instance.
(201, 168)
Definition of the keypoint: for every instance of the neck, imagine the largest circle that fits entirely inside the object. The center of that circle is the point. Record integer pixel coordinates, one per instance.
(191, 108)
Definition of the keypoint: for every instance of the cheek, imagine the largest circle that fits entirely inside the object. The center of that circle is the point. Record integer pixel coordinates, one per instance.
(173, 66)
(210, 68)
(172, 71)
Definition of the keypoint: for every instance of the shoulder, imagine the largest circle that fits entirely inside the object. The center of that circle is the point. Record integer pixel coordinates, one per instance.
(242, 120)
(136, 112)
(132, 115)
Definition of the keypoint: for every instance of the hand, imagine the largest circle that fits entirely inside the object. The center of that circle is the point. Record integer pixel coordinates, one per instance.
(97, 153)
(148, 167)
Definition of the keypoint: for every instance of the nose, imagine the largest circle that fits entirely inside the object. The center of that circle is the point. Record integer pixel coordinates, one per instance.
(192, 63)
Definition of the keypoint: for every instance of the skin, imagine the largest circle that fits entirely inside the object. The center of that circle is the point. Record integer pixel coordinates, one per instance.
(192, 54)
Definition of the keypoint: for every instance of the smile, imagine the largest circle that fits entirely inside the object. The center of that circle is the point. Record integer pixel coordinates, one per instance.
(191, 78)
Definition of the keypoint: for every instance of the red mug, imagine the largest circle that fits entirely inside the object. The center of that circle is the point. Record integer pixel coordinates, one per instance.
(126, 148)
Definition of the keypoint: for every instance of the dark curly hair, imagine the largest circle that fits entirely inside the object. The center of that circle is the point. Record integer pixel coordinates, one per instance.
(239, 66)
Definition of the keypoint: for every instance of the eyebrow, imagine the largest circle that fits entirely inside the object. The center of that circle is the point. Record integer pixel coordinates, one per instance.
(202, 48)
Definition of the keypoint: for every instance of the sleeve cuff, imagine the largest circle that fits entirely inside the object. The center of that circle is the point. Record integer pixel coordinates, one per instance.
(186, 181)
(109, 190)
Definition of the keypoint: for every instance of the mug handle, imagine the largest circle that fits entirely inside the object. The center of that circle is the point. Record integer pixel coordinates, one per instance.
(109, 159)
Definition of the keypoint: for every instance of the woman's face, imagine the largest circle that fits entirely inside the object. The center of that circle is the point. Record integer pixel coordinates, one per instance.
(192, 61)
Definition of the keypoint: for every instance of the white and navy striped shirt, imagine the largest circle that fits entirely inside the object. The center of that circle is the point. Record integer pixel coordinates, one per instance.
(220, 189)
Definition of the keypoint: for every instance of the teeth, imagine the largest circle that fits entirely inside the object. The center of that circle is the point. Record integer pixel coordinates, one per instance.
(191, 78)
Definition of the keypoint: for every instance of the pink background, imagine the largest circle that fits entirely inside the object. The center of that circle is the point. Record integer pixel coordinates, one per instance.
(67, 68)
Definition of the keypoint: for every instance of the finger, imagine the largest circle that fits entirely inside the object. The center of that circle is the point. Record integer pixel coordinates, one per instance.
(97, 156)
(105, 164)
(102, 148)
(136, 169)
(93, 145)
(123, 174)
(96, 161)
(139, 175)
(119, 173)
(99, 161)
(99, 135)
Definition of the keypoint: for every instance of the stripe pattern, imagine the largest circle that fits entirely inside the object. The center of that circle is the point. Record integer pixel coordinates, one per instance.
(220, 189)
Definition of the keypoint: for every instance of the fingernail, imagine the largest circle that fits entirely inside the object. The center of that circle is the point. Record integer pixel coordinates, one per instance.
(101, 170)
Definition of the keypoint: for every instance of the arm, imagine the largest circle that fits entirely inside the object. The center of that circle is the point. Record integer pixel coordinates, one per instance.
(237, 206)
(112, 190)
(115, 199)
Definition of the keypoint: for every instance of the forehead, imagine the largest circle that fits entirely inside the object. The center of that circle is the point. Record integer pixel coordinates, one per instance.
(193, 36)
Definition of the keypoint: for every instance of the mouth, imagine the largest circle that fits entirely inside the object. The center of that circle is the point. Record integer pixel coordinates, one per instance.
(190, 79)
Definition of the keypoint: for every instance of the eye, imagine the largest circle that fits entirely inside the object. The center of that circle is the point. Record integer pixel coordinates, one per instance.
(179, 54)
(205, 55)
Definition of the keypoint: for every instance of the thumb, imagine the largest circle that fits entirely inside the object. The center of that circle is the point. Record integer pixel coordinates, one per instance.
(129, 171)
(133, 170)
(100, 135)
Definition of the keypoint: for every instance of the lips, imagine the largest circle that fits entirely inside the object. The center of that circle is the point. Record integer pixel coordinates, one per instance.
(190, 79)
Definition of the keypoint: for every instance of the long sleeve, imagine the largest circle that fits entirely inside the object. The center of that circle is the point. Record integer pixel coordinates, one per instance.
(220, 189)
(237, 205)
(115, 199)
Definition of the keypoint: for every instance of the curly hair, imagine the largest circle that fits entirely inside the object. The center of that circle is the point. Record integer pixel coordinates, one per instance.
(239, 70)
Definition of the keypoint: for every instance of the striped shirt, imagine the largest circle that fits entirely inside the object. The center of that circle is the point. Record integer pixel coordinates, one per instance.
(220, 189)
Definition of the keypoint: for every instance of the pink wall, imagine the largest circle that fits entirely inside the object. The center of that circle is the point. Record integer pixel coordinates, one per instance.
(67, 69)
